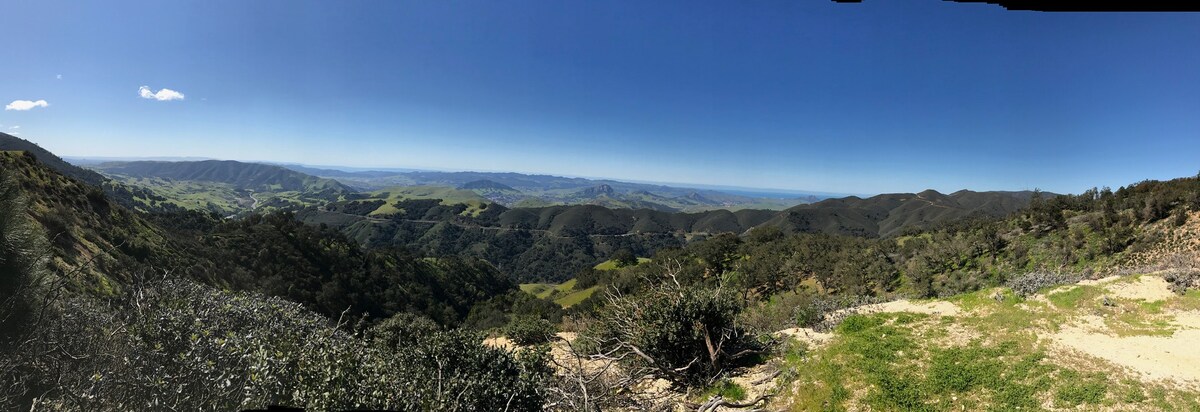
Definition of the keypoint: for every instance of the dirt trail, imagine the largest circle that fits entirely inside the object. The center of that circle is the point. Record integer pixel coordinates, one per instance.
(1173, 358)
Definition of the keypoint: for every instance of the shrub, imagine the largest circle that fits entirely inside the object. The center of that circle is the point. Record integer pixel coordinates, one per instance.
(686, 334)
(402, 331)
(529, 330)
(624, 258)
(184, 346)
(1182, 279)
(1030, 283)
(777, 313)
(827, 312)
(23, 253)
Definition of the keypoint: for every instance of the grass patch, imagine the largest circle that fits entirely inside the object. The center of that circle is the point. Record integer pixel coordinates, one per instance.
(1076, 389)
(563, 294)
(726, 389)
(902, 361)
(612, 264)
(541, 290)
(574, 298)
(1074, 297)
(1190, 300)
(1134, 323)
(448, 196)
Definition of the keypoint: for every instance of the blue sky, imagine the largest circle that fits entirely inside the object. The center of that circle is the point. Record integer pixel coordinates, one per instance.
(883, 96)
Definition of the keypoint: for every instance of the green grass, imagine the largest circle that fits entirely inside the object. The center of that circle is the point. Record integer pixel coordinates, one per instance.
(448, 195)
(575, 297)
(900, 371)
(563, 294)
(904, 361)
(222, 198)
(1077, 389)
(541, 290)
(1075, 296)
(724, 388)
(612, 264)
(219, 197)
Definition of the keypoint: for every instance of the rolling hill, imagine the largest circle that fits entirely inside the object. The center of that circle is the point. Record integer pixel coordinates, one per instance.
(242, 175)
(888, 214)
(224, 186)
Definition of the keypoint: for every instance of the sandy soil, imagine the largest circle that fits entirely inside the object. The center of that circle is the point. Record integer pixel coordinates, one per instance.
(1150, 288)
(500, 342)
(1172, 358)
(815, 339)
(809, 336)
(1093, 282)
(1175, 358)
(937, 308)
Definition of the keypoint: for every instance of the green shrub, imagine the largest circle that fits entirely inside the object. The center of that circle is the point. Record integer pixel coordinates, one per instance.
(184, 346)
(686, 334)
(22, 259)
(402, 331)
(529, 330)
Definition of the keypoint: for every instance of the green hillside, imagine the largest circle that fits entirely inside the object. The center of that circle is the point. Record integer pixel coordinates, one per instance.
(12, 143)
(564, 294)
(254, 176)
(448, 196)
(612, 264)
(223, 187)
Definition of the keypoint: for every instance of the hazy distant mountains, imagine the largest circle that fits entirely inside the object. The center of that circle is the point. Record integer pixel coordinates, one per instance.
(550, 203)
(522, 190)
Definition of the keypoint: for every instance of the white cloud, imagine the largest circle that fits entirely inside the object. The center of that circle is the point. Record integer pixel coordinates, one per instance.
(161, 95)
(15, 127)
(25, 104)
(58, 76)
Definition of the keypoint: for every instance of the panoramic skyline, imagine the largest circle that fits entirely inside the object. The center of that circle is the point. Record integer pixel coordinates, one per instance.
(818, 96)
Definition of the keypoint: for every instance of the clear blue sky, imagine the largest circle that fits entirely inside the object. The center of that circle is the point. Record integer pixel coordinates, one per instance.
(883, 96)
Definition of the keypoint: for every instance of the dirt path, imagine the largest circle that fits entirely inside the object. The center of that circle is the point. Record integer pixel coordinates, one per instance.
(1173, 358)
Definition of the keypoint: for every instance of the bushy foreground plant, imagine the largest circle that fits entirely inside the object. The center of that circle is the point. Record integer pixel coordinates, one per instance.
(686, 334)
(529, 330)
(177, 345)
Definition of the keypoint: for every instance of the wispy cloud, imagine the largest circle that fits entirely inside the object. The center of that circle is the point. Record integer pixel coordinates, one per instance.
(161, 95)
(25, 104)
(14, 127)
(58, 76)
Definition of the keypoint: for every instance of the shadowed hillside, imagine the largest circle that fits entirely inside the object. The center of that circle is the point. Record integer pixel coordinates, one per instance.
(889, 214)
(12, 143)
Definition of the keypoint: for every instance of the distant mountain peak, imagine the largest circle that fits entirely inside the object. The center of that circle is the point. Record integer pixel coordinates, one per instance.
(697, 197)
(598, 190)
